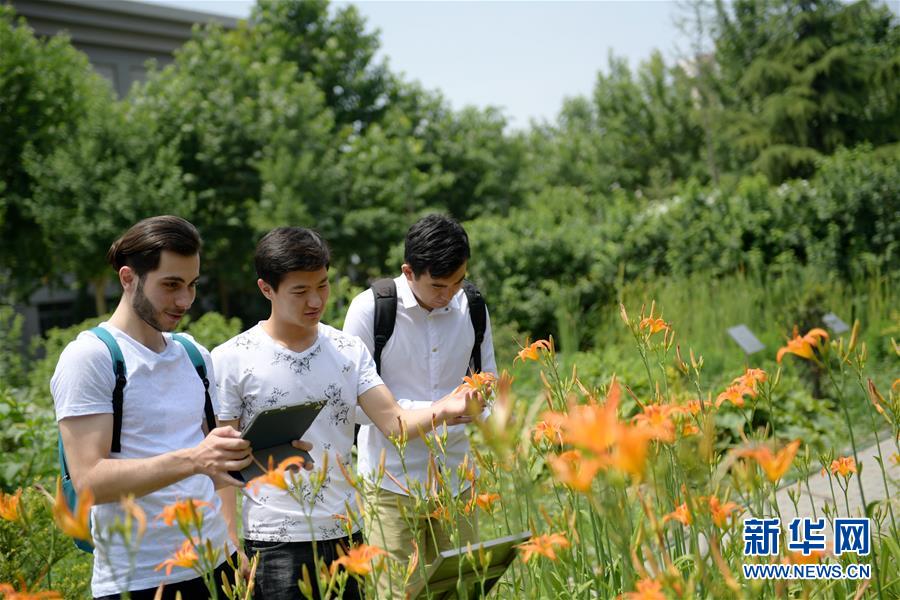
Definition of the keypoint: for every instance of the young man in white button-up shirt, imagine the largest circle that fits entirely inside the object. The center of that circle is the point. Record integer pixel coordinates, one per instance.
(424, 360)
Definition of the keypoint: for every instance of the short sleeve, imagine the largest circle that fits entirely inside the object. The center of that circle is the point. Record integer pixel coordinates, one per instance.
(83, 381)
(368, 374)
(228, 390)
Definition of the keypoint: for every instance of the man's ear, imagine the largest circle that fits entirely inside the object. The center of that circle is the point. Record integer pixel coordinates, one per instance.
(408, 272)
(265, 288)
(128, 278)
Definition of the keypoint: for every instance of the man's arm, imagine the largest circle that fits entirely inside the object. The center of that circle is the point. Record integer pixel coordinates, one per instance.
(87, 440)
(454, 409)
(228, 495)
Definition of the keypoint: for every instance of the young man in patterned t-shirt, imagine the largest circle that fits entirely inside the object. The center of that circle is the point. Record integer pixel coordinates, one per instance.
(288, 359)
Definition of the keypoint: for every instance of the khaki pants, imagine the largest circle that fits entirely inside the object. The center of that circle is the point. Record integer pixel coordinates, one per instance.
(393, 523)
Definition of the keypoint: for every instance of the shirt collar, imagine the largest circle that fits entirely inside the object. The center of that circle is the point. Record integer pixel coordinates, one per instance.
(408, 299)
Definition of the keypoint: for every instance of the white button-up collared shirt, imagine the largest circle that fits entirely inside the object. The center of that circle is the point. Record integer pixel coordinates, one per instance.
(423, 361)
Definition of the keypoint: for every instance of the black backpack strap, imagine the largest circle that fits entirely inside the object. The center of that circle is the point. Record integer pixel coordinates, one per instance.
(118, 396)
(478, 314)
(385, 292)
(200, 367)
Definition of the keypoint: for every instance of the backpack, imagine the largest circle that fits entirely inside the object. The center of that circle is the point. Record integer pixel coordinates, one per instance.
(385, 291)
(118, 362)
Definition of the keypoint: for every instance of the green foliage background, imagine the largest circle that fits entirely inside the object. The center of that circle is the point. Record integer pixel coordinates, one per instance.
(756, 180)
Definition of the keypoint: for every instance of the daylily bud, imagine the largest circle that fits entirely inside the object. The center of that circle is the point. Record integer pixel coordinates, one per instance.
(694, 362)
(854, 336)
(679, 362)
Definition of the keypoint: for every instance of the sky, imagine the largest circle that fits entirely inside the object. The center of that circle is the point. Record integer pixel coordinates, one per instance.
(523, 57)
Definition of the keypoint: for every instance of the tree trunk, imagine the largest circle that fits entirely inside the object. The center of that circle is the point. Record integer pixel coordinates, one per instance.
(99, 284)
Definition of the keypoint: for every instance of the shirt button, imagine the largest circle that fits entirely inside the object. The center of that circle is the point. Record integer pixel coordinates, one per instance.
(434, 349)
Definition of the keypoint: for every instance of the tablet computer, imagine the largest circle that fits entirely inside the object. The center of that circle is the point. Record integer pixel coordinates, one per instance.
(455, 569)
(271, 432)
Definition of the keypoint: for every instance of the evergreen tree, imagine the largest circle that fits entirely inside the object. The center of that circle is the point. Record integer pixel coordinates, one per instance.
(810, 76)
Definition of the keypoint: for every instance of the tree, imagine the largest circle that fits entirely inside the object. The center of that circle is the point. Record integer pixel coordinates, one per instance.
(47, 89)
(114, 170)
(254, 143)
(335, 52)
(636, 132)
(810, 76)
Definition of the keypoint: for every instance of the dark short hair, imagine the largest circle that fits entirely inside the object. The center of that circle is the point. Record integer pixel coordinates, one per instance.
(437, 245)
(288, 249)
(141, 246)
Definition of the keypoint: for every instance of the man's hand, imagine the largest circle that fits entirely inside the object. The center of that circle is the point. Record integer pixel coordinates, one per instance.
(223, 450)
(462, 405)
(306, 447)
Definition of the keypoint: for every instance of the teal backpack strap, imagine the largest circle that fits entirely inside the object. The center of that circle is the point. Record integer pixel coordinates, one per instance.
(118, 362)
(200, 366)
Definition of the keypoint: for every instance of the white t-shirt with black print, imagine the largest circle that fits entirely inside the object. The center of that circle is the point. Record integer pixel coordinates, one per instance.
(256, 373)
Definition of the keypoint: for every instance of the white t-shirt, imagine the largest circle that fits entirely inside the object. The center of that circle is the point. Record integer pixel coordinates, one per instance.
(424, 360)
(162, 412)
(254, 373)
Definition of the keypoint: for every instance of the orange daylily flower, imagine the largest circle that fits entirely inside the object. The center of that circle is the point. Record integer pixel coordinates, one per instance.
(680, 514)
(8, 592)
(185, 557)
(358, 559)
(751, 378)
(691, 407)
(544, 545)
(655, 325)
(486, 501)
(720, 512)
(571, 468)
(803, 346)
(9, 506)
(441, 513)
(630, 453)
(774, 466)
(530, 351)
(655, 420)
(275, 477)
(689, 429)
(735, 394)
(549, 428)
(844, 465)
(77, 524)
(647, 589)
(594, 427)
(184, 512)
(479, 380)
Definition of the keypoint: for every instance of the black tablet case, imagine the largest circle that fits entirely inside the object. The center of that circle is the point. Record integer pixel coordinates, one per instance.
(271, 432)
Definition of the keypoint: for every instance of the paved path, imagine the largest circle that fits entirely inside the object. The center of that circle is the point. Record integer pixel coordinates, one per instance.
(819, 493)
